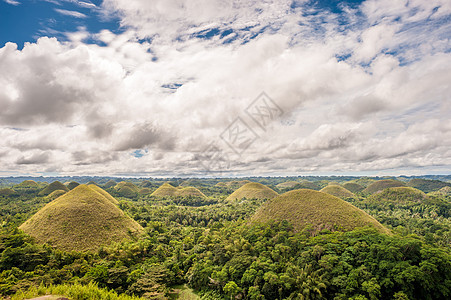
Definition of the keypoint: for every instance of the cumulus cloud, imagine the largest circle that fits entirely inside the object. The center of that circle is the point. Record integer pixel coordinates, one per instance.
(360, 97)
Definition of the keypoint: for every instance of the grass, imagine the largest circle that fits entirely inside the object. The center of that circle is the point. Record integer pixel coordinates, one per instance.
(73, 292)
(380, 185)
(337, 191)
(104, 193)
(167, 190)
(288, 184)
(73, 184)
(83, 219)
(6, 192)
(145, 191)
(110, 183)
(28, 184)
(55, 194)
(124, 184)
(54, 186)
(319, 210)
(234, 184)
(183, 292)
(427, 185)
(399, 195)
(353, 187)
(253, 190)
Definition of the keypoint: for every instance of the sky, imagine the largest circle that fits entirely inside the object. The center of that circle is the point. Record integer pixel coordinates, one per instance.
(225, 87)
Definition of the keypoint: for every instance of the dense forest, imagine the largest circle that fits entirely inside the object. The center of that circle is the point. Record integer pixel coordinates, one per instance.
(203, 245)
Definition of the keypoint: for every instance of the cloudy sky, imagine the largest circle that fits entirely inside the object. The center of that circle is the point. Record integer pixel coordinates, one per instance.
(225, 87)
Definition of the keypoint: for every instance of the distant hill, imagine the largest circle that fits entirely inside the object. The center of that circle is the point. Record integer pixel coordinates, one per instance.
(363, 181)
(445, 191)
(380, 185)
(167, 190)
(7, 192)
(145, 191)
(316, 209)
(127, 189)
(252, 190)
(234, 184)
(27, 184)
(337, 191)
(427, 185)
(287, 184)
(353, 187)
(54, 186)
(307, 185)
(399, 196)
(73, 184)
(109, 184)
(82, 219)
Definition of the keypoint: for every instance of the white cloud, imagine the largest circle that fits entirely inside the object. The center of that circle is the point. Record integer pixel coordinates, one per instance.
(86, 108)
(12, 2)
(71, 13)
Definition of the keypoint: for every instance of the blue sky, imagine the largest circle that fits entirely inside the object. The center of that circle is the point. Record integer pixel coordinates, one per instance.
(147, 87)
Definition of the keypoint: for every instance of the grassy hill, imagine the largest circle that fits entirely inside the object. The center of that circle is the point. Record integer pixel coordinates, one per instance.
(82, 219)
(55, 194)
(109, 184)
(73, 184)
(126, 189)
(28, 184)
(6, 192)
(145, 191)
(167, 190)
(353, 187)
(320, 210)
(380, 185)
(337, 191)
(305, 184)
(427, 185)
(234, 184)
(54, 186)
(445, 191)
(287, 184)
(399, 195)
(252, 190)
(363, 181)
(104, 193)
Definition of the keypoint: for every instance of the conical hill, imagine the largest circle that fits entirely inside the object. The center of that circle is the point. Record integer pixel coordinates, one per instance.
(82, 219)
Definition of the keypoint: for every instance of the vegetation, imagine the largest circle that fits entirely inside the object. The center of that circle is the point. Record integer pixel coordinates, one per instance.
(353, 187)
(82, 219)
(167, 190)
(73, 184)
(252, 190)
(427, 185)
(287, 184)
(316, 210)
(380, 185)
(55, 194)
(210, 248)
(337, 191)
(54, 186)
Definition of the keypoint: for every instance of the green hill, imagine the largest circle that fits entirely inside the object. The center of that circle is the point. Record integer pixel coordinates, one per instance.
(307, 185)
(427, 185)
(287, 184)
(145, 191)
(380, 185)
(73, 184)
(126, 189)
(353, 187)
(445, 191)
(337, 191)
(54, 186)
(6, 192)
(234, 184)
(167, 190)
(109, 184)
(399, 196)
(319, 210)
(252, 190)
(363, 181)
(82, 220)
(28, 184)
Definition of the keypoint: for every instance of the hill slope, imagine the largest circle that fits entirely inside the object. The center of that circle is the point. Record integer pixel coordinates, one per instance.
(382, 185)
(54, 186)
(399, 196)
(427, 185)
(167, 190)
(320, 210)
(337, 191)
(353, 187)
(253, 190)
(82, 219)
